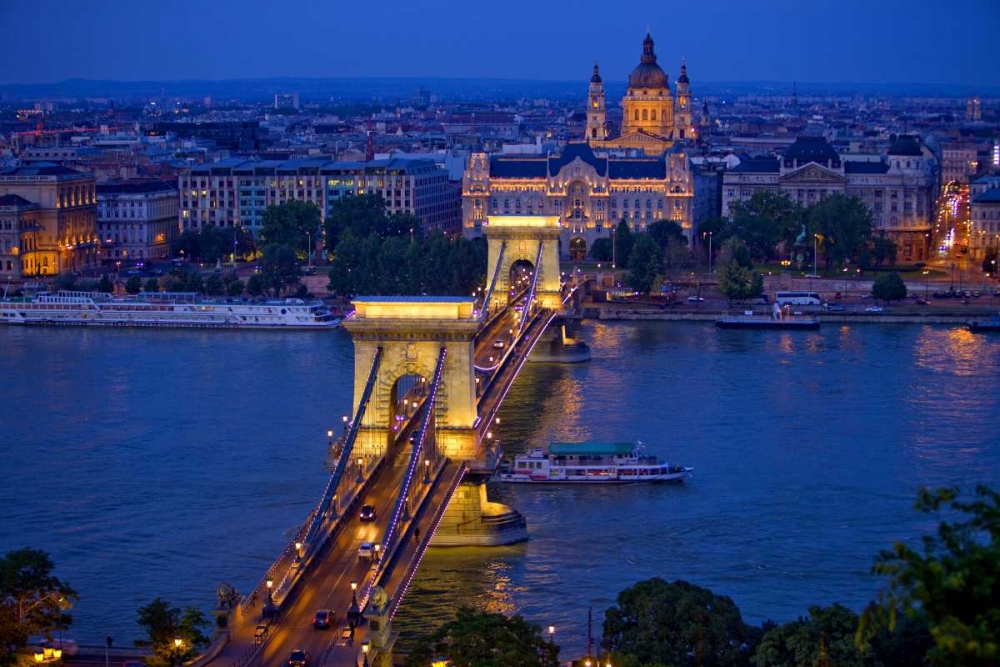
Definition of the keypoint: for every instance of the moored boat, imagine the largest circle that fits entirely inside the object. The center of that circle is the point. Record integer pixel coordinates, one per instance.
(989, 325)
(165, 309)
(591, 463)
(780, 318)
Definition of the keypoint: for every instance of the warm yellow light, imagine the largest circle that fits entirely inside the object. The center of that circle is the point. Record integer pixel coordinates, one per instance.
(39, 656)
(48, 652)
(57, 654)
(177, 642)
(365, 648)
(270, 583)
(329, 432)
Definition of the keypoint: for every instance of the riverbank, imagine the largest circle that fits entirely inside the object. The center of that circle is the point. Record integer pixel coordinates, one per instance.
(612, 312)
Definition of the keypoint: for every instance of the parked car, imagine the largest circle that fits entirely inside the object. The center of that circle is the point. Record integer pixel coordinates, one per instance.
(696, 299)
(874, 309)
(834, 307)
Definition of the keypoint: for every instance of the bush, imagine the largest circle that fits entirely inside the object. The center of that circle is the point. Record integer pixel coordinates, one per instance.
(152, 285)
(133, 285)
(889, 287)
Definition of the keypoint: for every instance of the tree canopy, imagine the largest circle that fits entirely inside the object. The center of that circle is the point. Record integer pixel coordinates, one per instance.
(675, 623)
(479, 639)
(364, 216)
(949, 583)
(844, 224)
(163, 623)
(644, 263)
(33, 601)
(289, 224)
(889, 287)
(825, 637)
(279, 267)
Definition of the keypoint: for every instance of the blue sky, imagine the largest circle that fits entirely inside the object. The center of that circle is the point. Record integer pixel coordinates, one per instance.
(864, 41)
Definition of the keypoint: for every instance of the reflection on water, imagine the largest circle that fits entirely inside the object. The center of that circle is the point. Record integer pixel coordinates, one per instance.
(182, 459)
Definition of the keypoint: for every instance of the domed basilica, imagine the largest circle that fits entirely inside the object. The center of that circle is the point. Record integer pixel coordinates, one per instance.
(653, 117)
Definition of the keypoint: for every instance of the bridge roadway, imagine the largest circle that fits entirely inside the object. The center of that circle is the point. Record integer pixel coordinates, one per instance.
(327, 582)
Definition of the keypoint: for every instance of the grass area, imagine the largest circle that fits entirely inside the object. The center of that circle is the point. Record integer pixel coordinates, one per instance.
(906, 271)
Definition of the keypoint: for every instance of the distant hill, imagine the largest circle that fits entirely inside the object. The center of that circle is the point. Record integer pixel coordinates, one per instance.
(387, 90)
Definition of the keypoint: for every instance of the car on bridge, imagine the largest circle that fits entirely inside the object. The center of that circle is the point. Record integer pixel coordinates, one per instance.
(368, 513)
(346, 636)
(260, 634)
(298, 658)
(499, 344)
(366, 551)
(323, 619)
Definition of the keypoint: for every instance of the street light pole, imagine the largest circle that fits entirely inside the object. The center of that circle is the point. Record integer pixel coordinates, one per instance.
(815, 254)
(710, 253)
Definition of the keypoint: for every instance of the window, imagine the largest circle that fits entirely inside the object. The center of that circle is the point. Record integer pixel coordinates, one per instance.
(637, 114)
(645, 115)
(652, 115)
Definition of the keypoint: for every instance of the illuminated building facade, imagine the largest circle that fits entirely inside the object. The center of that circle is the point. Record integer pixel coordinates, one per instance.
(898, 188)
(236, 192)
(984, 214)
(136, 220)
(19, 229)
(589, 192)
(66, 236)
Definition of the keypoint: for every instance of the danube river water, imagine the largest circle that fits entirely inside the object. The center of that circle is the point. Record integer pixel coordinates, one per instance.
(160, 463)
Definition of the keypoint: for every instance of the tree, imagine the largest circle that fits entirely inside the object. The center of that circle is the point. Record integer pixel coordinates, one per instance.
(739, 282)
(622, 243)
(889, 287)
(175, 282)
(289, 223)
(105, 285)
(644, 263)
(279, 267)
(255, 285)
(991, 262)
(781, 215)
(213, 244)
(358, 216)
(33, 601)
(666, 231)
(195, 283)
(133, 285)
(163, 624)
(600, 250)
(675, 623)
(884, 250)
(214, 286)
(235, 288)
(480, 639)
(151, 285)
(844, 224)
(825, 637)
(187, 244)
(65, 281)
(949, 584)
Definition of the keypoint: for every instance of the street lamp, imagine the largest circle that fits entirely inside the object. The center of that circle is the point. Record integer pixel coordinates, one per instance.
(552, 634)
(354, 593)
(177, 649)
(329, 436)
(427, 471)
(360, 477)
(364, 649)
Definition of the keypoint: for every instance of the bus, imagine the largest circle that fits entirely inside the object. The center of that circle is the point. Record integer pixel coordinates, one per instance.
(798, 298)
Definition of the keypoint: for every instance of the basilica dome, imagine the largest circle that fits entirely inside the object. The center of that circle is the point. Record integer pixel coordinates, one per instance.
(648, 74)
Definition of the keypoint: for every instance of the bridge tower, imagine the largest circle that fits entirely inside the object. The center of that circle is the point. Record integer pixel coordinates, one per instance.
(411, 331)
(524, 238)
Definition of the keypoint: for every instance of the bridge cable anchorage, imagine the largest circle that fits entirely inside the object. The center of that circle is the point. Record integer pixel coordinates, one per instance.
(531, 290)
(429, 405)
(493, 281)
(345, 454)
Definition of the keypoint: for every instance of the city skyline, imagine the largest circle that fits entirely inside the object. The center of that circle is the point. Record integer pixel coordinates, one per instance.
(892, 42)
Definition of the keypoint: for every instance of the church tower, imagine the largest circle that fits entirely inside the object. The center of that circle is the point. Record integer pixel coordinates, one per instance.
(648, 104)
(597, 118)
(683, 127)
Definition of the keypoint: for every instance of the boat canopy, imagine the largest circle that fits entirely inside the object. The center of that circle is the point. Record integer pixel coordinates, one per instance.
(591, 448)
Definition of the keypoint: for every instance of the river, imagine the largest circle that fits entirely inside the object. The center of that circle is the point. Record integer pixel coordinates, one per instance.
(160, 463)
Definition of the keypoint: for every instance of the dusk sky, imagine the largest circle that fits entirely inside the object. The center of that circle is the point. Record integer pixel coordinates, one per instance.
(863, 41)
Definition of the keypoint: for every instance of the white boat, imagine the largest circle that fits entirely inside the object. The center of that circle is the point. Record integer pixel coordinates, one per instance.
(165, 309)
(591, 463)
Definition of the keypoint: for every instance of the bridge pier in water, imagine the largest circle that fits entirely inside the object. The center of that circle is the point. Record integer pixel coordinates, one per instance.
(411, 331)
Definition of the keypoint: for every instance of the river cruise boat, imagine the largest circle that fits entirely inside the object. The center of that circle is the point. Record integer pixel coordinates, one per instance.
(591, 463)
(165, 309)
